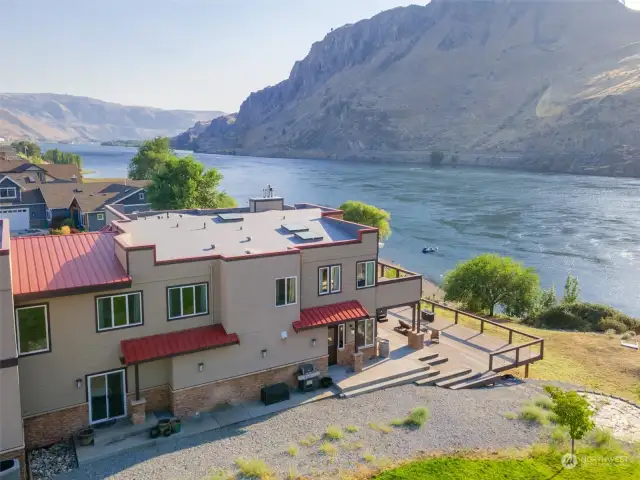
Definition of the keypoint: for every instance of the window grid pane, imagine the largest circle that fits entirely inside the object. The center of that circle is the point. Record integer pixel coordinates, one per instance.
(32, 329)
(360, 274)
(105, 320)
(324, 280)
(371, 271)
(119, 309)
(291, 290)
(201, 298)
(175, 303)
(335, 278)
(135, 310)
(369, 331)
(280, 292)
(188, 301)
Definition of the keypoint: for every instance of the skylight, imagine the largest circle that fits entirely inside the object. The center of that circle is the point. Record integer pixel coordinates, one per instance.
(230, 217)
(294, 227)
(307, 236)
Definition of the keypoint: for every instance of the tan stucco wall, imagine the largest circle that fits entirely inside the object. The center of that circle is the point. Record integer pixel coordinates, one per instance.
(390, 293)
(10, 406)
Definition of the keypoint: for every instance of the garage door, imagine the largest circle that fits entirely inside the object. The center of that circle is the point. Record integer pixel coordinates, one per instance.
(18, 218)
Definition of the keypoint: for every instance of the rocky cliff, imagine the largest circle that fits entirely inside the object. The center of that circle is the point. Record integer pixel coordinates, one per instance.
(550, 85)
(51, 117)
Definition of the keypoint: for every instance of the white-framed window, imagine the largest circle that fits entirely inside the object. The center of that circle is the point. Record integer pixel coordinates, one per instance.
(119, 311)
(286, 291)
(187, 301)
(329, 279)
(365, 333)
(8, 192)
(141, 195)
(100, 216)
(341, 329)
(366, 274)
(32, 329)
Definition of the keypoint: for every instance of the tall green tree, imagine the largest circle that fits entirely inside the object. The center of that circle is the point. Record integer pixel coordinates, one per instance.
(572, 411)
(30, 149)
(58, 156)
(365, 214)
(488, 281)
(185, 183)
(151, 156)
(571, 290)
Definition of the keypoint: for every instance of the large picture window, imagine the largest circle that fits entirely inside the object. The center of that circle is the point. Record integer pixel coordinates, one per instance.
(329, 279)
(286, 291)
(365, 333)
(32, 327)
(8, 192)
(365, 274)
(187, 301)
(119, 311)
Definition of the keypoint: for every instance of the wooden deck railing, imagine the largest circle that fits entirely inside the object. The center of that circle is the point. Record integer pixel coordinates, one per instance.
(387, 270)
(520, 359)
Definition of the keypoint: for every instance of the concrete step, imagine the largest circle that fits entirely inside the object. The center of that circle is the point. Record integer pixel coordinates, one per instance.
(431, 356)
(443, 376)
(486, 378)
(438, 361)
(382, 378)
(402, 380)
(461, 378)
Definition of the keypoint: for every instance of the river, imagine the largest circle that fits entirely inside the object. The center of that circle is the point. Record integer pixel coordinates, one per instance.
(558, 224)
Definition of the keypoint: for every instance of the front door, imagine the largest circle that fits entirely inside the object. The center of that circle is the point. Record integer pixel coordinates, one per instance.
(107, 396)
(333, 345)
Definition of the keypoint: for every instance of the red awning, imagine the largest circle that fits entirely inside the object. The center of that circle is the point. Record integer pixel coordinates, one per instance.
(330, 315)
(154, 347)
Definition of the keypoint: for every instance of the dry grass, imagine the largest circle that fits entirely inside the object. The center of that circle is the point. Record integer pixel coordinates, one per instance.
(309, 440)
(334, 433)
(220, 476)
(510, 415)
(592, 360)
(329, 449)
(255, 469)
(351, 428)
(352, 446)
(369, 458)
(292, 450)
(380, 428)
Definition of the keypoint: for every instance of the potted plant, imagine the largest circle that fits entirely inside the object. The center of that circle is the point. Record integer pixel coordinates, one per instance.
(154, 432)
(326, 382)
(176, 425)
(164, 426)
(85, 437)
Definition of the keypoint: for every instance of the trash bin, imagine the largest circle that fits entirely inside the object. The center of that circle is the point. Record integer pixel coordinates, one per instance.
(383, 347)
(427, 316)
(10, 470)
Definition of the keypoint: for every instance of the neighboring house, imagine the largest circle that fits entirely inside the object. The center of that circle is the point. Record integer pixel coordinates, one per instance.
(181, 312)
(32, 196)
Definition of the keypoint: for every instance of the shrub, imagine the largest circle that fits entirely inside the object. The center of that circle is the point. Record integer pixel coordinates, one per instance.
(351, 428)
(543, 402)
(601, 438)
(329, 449)
(310, 440)
(353, 445)
(534, 414)
(610, 333)
(334, 433)
(380, 428)
(64, 230)
(611, 323)
(255, 469)
(67, 222)
(417, 417)
(559, 436)
(292, 450)
(584, 317)
(369, 458)
(627, 336)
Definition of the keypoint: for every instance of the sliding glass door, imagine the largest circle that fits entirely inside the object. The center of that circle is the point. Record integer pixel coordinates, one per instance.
(107, 396)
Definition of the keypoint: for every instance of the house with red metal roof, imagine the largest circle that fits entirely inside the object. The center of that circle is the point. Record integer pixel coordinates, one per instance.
(182, 311)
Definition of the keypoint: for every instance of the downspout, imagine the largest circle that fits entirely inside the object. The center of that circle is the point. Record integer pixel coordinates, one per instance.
(210, 292)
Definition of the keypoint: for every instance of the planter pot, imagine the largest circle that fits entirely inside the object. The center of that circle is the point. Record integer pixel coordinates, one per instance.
(85, 437)
(154, 432)
(326, 382)
(176, 425)
(164, 426)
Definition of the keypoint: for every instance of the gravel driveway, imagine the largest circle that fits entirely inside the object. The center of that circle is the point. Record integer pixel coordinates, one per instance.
(459, 419)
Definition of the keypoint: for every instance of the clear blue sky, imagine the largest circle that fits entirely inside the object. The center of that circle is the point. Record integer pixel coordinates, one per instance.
(192, 54)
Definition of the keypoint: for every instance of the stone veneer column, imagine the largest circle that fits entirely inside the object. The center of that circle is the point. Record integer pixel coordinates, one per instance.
(358, 362)
(416, 340)
(137, 410)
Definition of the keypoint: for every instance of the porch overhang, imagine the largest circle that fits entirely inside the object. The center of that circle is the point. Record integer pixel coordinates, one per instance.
(329, 315)
(183, 342)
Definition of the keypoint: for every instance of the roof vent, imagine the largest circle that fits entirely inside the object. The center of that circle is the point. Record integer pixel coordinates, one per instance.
(248, 251)
(308, 236)
(230, 217)
(213, 246)
(267, 192)
(240, 227)
(248, 239)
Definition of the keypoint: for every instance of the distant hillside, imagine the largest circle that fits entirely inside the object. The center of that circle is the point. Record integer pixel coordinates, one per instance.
(52, 117)
(548, 85)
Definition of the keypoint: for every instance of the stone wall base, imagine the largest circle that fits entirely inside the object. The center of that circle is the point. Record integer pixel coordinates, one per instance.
(53, 427)
(19, 455)
(189, 401)
(344, 355)
(416, 340)
(158, 398)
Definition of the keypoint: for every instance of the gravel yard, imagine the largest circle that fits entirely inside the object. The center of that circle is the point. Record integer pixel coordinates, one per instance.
(464, 419)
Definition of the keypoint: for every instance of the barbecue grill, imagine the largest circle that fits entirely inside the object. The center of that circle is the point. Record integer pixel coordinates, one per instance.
(308, 377)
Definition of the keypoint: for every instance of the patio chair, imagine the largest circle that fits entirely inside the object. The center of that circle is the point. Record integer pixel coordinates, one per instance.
(435, 336)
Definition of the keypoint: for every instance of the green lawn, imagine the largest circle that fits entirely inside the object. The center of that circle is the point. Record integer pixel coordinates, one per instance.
(538, 467)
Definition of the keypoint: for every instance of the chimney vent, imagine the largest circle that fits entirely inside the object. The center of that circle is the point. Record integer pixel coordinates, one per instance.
(213, 246)
(248, 239)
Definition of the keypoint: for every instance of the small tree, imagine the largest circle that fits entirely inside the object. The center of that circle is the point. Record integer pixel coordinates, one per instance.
(151, 156)
(572, 411)
(488, 281)
(185, 183)
(571, 290)
(436, 157)
(27, 148)
(360, 212)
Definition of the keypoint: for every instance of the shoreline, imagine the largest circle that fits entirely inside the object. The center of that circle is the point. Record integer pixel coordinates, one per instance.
(430, 289)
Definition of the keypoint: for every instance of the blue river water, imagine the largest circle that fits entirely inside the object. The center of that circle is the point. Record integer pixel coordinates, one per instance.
(558, 224)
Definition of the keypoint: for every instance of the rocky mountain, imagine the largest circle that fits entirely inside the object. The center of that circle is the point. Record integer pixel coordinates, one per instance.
(51, 117)
(546, 85)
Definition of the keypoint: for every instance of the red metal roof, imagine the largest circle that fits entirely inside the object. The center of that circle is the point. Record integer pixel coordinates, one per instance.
(330, 315)
(59, 263)
(164, 345)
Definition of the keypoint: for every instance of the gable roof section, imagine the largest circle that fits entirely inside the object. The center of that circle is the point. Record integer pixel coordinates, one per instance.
(56, 265)
(63, 171)
(7, 177)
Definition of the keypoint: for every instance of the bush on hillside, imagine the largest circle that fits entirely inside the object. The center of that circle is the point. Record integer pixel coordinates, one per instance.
(584, 317)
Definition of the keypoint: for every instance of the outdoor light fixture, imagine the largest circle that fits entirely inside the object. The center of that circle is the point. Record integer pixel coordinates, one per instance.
(78, 383)
(313, 342)
(264, 353)
(284, 335)
(200, 366)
